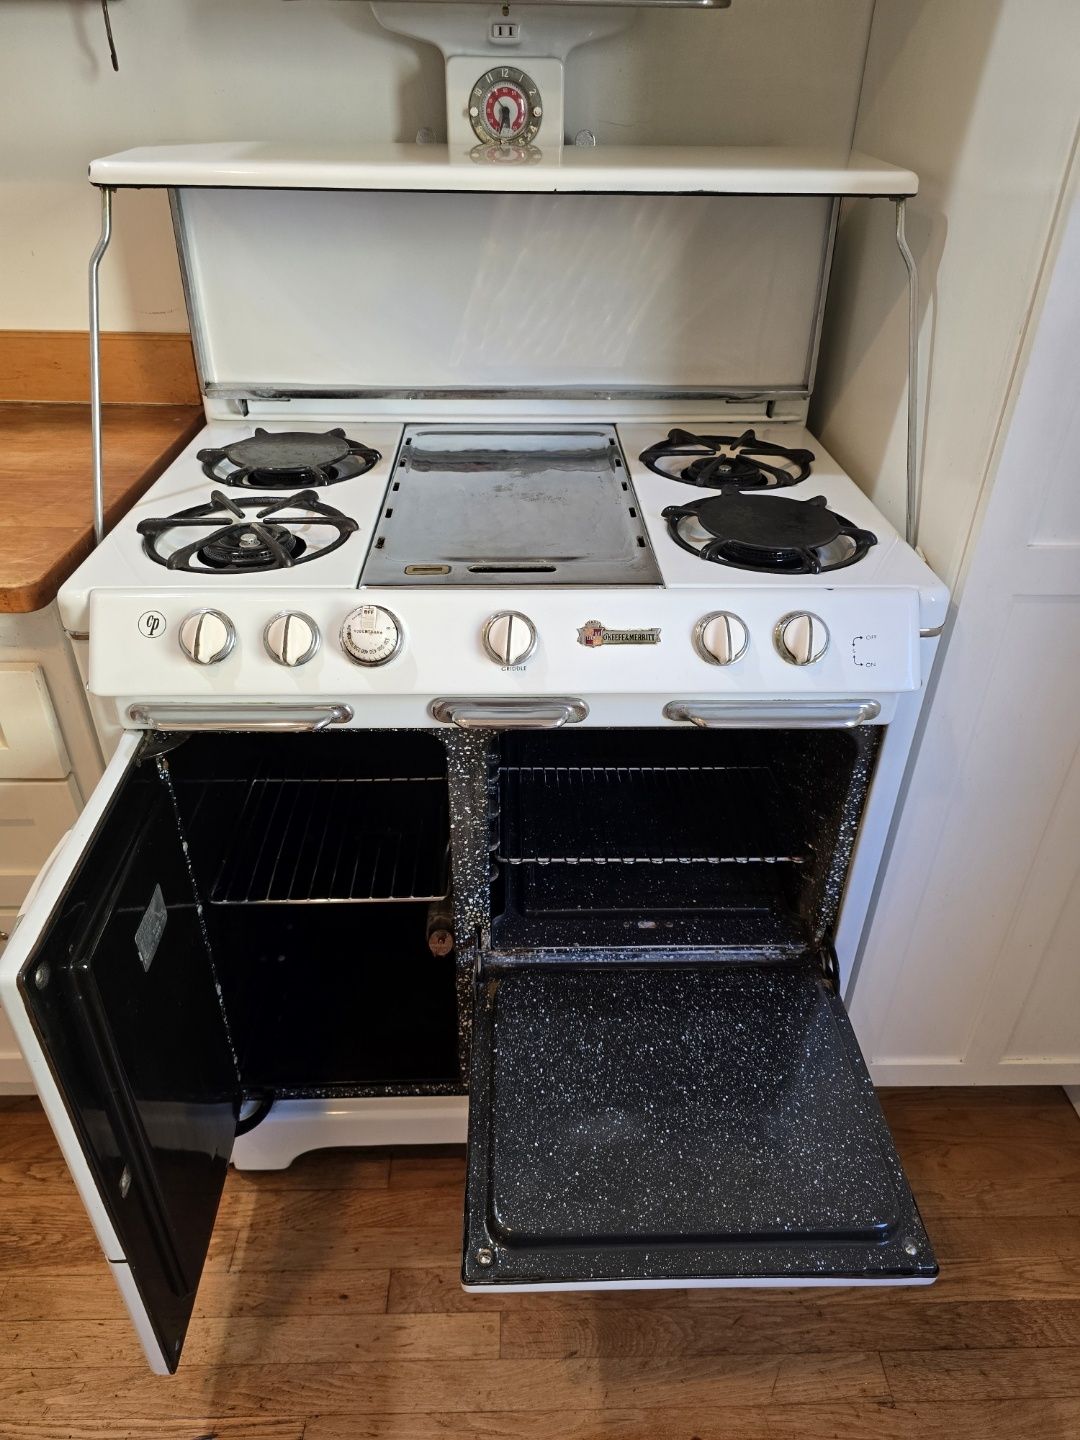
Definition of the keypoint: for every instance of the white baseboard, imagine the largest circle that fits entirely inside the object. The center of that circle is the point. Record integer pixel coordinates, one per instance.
(898, 1073)
(15, 1075)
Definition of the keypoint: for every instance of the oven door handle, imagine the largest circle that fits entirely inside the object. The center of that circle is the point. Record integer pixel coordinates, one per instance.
(239, 717)
(512, 713)
(773, 714)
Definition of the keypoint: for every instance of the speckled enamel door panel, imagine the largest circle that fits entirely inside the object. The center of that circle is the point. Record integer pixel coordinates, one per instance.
(677, 1125)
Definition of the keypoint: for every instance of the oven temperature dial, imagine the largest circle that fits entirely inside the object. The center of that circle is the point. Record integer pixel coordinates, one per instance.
(291, 638)
(371, 635)
(509, 637)
(721, 638)
(801, 638)
(207, 636)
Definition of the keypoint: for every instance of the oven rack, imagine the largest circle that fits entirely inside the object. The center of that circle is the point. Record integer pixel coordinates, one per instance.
(643, 815)
(327, 839)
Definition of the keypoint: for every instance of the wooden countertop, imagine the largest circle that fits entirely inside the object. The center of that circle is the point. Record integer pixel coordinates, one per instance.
(46, 517)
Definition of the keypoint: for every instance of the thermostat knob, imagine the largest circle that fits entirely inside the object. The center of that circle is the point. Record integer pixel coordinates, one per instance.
(801, 638)
(371, 635)
(291, 638)
(509, 637)
(721, 638)
(207, 636)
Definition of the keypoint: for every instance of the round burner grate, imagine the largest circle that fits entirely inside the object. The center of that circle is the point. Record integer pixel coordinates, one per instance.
(718, 462)
(246, 536)
(273, 457)
(768, 533)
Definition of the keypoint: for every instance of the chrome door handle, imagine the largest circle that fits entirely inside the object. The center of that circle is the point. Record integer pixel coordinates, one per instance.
(509, 714)
(240, 717)
(773, 714)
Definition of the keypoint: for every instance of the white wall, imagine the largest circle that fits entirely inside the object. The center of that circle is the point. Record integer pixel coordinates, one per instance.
(763, 71)
(982, 99)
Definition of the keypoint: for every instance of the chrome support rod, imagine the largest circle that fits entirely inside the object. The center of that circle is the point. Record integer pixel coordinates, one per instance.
(911, 513)
(95, 364)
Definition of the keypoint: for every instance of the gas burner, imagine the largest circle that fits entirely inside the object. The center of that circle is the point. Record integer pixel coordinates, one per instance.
(770, 534)
(720, 462)
(272, 458)
(236, 545)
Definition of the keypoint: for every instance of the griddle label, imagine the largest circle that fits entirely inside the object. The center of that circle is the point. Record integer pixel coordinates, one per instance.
(151, 928)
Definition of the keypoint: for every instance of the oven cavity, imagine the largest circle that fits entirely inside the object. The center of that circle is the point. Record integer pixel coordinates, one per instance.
(660, 839)
(322, 863)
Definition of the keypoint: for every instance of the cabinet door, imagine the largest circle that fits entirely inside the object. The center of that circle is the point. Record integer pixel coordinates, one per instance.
(677, 1125)
(110, 987)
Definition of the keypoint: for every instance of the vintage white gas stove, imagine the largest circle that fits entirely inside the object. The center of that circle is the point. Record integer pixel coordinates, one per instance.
(510, 699)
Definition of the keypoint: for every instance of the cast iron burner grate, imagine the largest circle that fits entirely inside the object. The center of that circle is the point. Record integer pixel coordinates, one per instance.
(269, 459)
(738, 462)
(770, 534)
(236, 545)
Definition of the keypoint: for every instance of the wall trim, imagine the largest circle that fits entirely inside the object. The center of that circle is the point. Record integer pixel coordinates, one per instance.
(137, 368)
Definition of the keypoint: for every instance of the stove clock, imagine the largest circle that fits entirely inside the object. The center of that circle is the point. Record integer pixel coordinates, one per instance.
(505, 107)
(505, 73)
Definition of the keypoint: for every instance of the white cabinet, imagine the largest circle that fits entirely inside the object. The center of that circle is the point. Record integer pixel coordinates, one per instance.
(12, 1066)
(31, 745)
(34, 815)
(972, 970)
(49, 761)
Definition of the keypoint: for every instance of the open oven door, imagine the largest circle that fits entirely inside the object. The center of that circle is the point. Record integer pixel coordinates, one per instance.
(673, 1124)
(110, 988)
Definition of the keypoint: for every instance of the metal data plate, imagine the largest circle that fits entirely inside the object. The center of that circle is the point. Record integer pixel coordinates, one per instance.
(500, 506)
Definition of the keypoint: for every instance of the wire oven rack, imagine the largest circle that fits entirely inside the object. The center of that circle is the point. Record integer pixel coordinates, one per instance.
(308, 839)
(643, 815)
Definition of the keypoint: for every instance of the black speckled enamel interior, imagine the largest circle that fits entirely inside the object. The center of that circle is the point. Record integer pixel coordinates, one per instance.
(676, 1123)
(338, 997)
(674, 838)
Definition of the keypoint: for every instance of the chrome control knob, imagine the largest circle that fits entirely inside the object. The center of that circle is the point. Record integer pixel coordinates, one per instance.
(509, 637)
(371, 635)
(721, 638)
(801, 638)
(291, 638)
(207, 636)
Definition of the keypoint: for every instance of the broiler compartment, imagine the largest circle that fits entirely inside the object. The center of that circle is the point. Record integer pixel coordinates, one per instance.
(322, 862)
(672, 838)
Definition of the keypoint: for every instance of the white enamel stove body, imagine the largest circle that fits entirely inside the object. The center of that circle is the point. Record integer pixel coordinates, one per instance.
(874, 615)
(875, 621)
(867, 617)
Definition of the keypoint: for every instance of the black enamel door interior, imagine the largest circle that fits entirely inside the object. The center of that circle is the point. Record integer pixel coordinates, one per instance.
(666, 1123)
(123, 994)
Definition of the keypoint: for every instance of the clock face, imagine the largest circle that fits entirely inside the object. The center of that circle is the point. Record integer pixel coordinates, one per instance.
(505, 106)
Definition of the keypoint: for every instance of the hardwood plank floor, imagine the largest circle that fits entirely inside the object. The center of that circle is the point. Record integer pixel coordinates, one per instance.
(330, 1310)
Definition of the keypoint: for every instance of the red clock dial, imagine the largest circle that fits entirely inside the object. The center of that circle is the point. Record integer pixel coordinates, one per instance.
(506, 110)
(505, 107)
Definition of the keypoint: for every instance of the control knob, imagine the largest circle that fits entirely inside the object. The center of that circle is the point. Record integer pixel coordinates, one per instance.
(801, 638)
(509, 637)
(291, 638)
(721, 638)
(371, 635)
(207, 636)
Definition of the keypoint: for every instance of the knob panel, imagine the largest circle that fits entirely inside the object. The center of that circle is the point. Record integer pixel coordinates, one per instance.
(371, 635)
(509, 637)
(801, 638)
(206, 636)
(291, 638)
(721, 638)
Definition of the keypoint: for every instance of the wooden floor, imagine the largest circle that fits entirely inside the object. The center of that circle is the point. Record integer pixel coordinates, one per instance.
(330, 1310)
